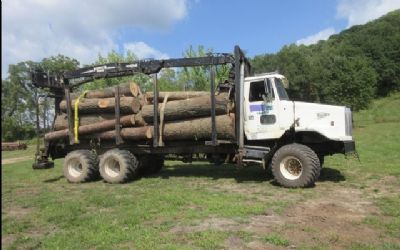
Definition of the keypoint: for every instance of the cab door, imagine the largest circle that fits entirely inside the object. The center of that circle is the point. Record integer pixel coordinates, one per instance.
(261, 118)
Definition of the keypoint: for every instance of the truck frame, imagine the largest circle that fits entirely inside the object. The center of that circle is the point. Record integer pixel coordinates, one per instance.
(123, 159)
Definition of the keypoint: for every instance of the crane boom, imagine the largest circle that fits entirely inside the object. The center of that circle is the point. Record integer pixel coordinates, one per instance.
(87, 74)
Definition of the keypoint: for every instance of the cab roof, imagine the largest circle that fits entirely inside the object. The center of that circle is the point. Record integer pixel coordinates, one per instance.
(264, 75)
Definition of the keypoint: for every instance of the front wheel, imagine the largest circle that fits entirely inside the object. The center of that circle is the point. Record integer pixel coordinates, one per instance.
(295, 165)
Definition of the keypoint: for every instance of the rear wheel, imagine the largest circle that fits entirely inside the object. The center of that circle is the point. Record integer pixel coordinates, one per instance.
(295, 165)
(118, 166)
(81, 166)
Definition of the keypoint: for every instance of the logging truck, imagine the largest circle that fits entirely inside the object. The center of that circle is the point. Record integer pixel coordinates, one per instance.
(120, 133)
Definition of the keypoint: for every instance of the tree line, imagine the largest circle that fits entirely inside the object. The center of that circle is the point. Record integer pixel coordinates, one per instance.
(350, 68)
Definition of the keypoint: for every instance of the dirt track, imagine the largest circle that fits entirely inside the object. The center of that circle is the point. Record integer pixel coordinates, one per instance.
(15, 159)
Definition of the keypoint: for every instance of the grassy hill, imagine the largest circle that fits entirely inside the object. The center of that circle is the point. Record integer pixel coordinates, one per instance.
(199, 206)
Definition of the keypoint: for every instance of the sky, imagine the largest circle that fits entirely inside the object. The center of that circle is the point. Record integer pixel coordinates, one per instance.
(81, 29)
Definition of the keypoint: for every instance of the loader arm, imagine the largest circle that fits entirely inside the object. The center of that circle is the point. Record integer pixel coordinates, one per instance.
(83, 75)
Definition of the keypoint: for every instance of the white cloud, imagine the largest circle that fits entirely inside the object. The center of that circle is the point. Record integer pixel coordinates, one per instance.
(33, 29)
(322, 35)
(143, 51)
(354, 12)
(362, 11)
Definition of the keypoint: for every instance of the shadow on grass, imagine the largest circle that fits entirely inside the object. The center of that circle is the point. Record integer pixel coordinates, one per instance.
(225, 171)
(54, 179)
(330, 174)
(229, 171)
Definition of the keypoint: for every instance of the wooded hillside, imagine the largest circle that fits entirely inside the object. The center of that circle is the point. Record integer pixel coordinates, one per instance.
(350, 68)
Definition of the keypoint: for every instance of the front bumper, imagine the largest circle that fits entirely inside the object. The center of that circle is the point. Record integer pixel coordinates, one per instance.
(349, 147)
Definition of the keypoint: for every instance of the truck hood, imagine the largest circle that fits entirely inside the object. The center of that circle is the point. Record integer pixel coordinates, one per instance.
(333, 122)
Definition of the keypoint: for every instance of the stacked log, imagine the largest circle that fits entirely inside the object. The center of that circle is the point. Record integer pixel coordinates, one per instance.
(183, 115)
(10, 146)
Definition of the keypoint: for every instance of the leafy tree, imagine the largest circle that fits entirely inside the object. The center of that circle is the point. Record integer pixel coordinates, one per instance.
(198, 78)
(20, 97)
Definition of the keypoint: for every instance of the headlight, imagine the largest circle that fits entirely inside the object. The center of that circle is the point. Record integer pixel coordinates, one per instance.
(349, 121)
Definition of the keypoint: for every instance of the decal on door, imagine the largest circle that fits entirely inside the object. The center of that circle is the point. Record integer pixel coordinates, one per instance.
(260, 108)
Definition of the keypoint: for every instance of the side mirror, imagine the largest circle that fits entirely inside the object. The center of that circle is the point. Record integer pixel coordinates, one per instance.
(285, 82)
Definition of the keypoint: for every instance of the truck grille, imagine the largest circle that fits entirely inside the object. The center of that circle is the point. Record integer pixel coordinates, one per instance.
(349, 121)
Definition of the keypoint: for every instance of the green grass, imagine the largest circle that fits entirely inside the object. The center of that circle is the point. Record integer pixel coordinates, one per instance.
(202, 206)
(277, 240)
(377, 139)
(29, 152)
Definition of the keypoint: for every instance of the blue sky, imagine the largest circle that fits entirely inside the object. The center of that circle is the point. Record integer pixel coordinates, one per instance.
(257, 26)
(34, 29)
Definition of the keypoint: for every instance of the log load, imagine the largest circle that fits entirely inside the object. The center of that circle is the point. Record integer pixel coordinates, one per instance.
(125, 121)
(127, 89)
(195, 129)
(128, 105)
(61, 121)
(176, 95)
(183, 115)
(190, 108)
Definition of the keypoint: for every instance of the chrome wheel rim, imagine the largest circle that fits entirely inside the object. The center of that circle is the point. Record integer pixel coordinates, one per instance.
(112, 167)
(291, 168)
(75, 168)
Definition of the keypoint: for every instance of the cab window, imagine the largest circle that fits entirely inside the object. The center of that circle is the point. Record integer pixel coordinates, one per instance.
(281, 90)
(257, 90)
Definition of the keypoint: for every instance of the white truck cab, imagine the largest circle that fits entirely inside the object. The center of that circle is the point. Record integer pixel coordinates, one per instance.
(298, 134)
(269, 112)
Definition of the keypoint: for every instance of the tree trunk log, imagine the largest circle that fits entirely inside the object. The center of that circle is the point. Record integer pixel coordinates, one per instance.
(127, 89)
(125, 121)
(191, 108)
(196, 130)
(199, 129)
(61, 121)
(128, 105)
(136, 134)
(177, 95)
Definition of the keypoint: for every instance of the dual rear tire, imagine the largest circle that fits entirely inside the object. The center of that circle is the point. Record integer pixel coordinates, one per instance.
(115, 166)
(118, 166)
(81, 166)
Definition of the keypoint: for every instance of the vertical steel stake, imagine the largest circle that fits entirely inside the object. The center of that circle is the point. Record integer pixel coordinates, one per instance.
(118, 139)
(155, 111)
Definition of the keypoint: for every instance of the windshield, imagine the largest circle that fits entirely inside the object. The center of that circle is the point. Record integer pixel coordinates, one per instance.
(281, 90)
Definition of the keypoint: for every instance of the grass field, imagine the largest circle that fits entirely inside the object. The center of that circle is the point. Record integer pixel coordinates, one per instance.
(355, 205)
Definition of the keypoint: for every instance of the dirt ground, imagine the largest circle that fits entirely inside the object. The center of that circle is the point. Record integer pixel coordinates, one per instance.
(333, 219)
(331, 215)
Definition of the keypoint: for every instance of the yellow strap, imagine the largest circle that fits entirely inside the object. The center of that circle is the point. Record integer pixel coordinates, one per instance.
(76, 118)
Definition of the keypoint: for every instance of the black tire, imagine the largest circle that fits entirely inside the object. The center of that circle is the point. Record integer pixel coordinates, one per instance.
(321, 160)
(118, 166)
(295, 165)
(266, 164)
(81, 166)
(216, 159)
(151, 164)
